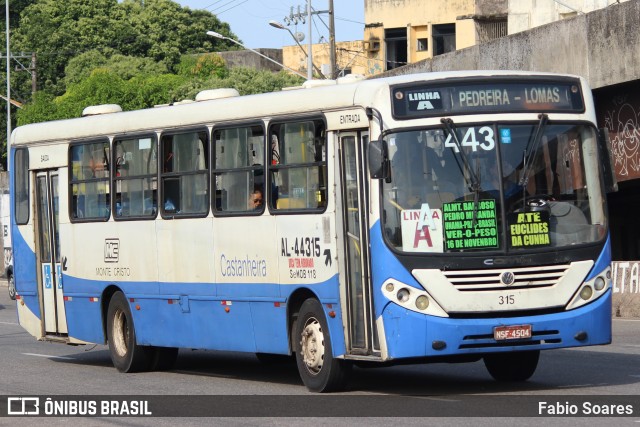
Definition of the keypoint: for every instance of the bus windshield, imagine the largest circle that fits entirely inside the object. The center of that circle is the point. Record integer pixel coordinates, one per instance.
(493, 187)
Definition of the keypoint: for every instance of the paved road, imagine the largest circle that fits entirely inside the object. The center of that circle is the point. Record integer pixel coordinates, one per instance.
(32, 368)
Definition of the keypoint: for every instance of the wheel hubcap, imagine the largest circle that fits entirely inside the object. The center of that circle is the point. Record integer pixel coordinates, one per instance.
(313, 346)
(120, 332)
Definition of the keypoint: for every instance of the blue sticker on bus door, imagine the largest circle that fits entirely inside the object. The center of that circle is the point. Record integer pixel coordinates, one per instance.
(47, 276)
(59, 276)
(505, 136)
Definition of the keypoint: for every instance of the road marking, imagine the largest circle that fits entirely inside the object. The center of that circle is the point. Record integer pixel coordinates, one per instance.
(48, 356)
(9, 323)
(626, 320)
(575, 385)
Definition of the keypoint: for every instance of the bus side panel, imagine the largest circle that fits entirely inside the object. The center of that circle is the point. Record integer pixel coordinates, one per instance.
(270, 327)
(193, 323)
(83, 307)
(29, 314)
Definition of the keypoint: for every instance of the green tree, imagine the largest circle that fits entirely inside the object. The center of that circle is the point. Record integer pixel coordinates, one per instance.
(210, 65)
(157, 29)
(246, 81)
(103, 86)
(126, 67)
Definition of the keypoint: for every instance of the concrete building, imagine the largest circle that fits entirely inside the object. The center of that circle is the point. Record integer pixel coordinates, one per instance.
(399, 32)
(350, 58)
(527, 14)
(249, 59)
(406, 31)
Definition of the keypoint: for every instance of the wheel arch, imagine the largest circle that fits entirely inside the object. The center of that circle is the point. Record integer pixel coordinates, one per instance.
(295, 301)
(107, 294)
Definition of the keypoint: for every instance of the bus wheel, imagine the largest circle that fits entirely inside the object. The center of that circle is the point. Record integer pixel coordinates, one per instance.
(516, 366)
(12, 287)
(162, 358)
(319, 371)
(126, 355)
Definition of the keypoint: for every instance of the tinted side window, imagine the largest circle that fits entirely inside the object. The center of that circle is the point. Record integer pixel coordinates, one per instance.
(238, 170)
(298, 167)
(185, 174)
(89, 181)
(21, 182)
(136, 182)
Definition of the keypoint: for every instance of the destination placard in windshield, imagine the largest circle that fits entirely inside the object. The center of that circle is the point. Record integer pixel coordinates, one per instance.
(487, 97)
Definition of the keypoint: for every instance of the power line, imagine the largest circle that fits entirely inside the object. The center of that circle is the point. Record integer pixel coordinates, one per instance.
(232, 7)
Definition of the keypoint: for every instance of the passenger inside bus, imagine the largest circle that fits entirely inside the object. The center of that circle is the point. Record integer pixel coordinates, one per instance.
(256, 200)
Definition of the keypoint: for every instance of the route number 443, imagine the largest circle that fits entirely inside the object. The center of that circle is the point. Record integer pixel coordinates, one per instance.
(475, 138)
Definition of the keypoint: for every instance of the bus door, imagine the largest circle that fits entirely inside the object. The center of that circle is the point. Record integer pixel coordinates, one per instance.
(48, 253)
(362, 337)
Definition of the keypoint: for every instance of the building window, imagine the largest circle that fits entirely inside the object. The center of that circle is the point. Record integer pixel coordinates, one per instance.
(396, 43)
(444, 38)
(490, 30)
(422, 45)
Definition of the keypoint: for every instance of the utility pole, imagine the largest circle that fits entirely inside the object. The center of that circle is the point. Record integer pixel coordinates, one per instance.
(8, 83)
(332, 41)
(310, 56)
(306, 18)
(32, 68)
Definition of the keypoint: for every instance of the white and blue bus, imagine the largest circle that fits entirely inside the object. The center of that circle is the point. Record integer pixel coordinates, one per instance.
(430, 217)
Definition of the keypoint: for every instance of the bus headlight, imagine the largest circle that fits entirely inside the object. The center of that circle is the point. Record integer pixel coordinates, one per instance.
(389, 287)
(586, 293)
(599, 284)
(422, 302)
(403, 295)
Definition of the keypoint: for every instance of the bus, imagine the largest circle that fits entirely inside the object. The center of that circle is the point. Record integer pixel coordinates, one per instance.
(438, 217)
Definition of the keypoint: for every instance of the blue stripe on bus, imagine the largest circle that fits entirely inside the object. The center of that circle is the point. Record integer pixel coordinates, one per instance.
(24, 271)
(232, 321)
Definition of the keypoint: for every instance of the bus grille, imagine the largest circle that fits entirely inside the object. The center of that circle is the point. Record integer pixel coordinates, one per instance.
(491, 280)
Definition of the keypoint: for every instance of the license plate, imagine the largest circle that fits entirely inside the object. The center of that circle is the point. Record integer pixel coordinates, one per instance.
(516, 332)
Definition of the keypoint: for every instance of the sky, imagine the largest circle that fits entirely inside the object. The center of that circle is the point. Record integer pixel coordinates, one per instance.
(249, 20)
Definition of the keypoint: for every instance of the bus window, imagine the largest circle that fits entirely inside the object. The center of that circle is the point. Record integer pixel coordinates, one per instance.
(89, 183)
(298, 169)
(184, 174)
(238, 168)
(136, 166)
(21, 195)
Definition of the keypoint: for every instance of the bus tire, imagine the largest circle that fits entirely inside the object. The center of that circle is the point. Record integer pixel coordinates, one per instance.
(126, 355)
(512, 367)
(162, 358)
(319, 371)
(12, 287)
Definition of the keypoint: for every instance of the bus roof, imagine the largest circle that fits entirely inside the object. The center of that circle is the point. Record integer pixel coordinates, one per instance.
(325, 97)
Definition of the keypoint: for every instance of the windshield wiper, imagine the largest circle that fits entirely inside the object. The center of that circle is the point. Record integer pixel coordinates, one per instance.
(531, 150)
(474, 177)
(527, 157)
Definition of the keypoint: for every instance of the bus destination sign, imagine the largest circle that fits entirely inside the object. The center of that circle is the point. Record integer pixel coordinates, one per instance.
(487, 97)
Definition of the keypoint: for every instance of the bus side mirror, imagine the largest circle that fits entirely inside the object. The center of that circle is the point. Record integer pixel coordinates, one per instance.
(608, 168)
(378, 160)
